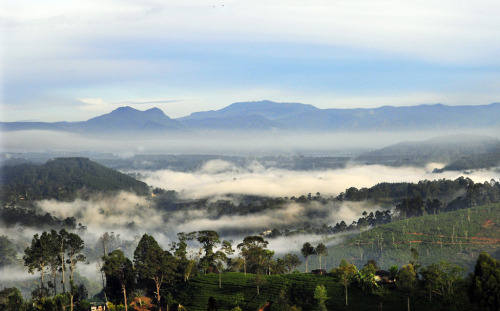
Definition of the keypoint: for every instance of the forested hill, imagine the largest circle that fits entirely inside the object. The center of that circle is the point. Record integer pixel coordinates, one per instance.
(466, 151)
(62, 179)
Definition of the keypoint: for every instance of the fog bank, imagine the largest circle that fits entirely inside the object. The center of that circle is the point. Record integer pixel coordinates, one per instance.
(217, 178)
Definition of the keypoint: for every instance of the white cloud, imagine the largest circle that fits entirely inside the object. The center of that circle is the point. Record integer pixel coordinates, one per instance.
(444, 31)
(255, 180)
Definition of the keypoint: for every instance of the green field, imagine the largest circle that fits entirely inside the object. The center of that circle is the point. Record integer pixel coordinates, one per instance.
(457, 237)
(195, 293)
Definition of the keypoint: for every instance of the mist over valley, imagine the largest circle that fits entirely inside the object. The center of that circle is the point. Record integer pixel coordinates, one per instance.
(289, 187)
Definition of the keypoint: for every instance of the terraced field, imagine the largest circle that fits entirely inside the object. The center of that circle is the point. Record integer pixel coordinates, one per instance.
(238, 289)
(457, 237)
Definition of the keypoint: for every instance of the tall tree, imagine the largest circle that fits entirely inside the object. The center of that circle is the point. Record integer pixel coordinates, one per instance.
(221, 257)
(153, 263)
(119, 273)
(484, 286)
(37, 256)
(54, 258)
(180, 250)
(321, 251)
(442, 280)
(63, 234)
(307, 250)
(345, 274)
(252, 251)
(268, 257)
(406, 281)
(74, 246)
(209, 239)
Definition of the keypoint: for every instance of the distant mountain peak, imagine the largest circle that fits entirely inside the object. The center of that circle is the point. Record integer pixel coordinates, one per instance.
(128, 118)
(265, 108)
(125, 109)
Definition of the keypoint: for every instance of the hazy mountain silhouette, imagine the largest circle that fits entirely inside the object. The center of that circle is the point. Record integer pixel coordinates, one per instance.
(265, 115)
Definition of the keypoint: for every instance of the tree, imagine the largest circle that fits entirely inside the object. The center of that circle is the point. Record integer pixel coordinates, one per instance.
(381, 292)
(54, 259)
(74, 246)
(252, 251)
(258, 280)
(7, 251)
(208, 239)
(442, 280)
(268, 256)
(62, 249)
(37, 256)
(152, 263)
(366, 277)
(12, 300)
(345, 274)
(180, 248)
(291, 261)
(321, 251)
(220, 257)
(307, 250)
(119, 273)
(407, 281)
(321, 296)
(484, 283)
(180, 251)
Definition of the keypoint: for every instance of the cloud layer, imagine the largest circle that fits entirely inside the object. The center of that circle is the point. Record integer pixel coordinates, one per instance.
(219, 178)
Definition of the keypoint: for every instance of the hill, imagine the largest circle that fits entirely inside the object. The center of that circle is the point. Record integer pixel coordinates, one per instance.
(62, 179)
(446, 149)
(457, 237)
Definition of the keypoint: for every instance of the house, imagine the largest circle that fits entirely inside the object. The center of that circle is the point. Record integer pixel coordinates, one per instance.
(319, 271)
(266, 233)
(98, 308)
(383, 276)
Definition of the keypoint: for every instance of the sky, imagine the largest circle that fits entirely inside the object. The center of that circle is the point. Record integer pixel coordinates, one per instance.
(73, 60)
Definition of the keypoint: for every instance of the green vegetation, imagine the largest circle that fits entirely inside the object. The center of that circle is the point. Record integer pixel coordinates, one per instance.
(62, 179)
(457, 237)
(157, 275)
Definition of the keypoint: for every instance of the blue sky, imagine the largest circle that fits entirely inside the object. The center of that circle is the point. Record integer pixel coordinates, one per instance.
(72, 60)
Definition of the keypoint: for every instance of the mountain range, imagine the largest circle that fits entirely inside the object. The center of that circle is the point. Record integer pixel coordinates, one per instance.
(268, 115)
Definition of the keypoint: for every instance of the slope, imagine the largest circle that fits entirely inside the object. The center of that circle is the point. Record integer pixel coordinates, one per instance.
(457, 237)
(445, 149)
(62, 179)
(239, 289)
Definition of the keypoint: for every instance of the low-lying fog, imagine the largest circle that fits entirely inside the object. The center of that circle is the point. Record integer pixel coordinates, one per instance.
(218, 142)
(217, 178)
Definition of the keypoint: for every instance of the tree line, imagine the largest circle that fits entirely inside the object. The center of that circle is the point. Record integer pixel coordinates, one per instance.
(155, 272)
